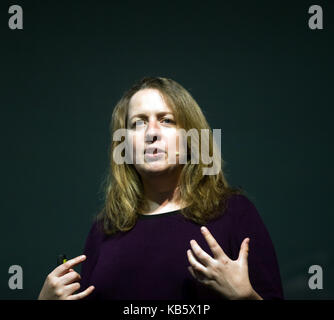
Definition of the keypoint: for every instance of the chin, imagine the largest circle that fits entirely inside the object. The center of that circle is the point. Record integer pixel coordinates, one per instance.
(154, 168)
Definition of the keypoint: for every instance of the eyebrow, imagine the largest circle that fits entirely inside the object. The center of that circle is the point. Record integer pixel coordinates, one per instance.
(144, 115)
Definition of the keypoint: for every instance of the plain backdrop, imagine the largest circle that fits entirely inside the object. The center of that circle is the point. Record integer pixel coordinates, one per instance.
(258, 72)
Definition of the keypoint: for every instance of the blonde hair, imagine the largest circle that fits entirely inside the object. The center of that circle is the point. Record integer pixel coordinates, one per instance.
(205, 195)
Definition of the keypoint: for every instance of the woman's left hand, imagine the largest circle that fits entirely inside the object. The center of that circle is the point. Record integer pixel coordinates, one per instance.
(228, 277)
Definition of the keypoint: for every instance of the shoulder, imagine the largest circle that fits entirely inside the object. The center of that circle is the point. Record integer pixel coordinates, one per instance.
(240, 205)
(236, 213)
(246, 219)
(95, 234)
(243, 213)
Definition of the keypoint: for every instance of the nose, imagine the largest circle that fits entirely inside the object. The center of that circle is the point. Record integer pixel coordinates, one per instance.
(152, 132)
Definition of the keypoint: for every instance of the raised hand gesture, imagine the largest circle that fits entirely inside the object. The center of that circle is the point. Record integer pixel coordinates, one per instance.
(60, 283)
(228, 277)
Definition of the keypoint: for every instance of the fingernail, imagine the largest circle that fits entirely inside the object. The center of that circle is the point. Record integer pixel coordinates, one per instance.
(203, 229)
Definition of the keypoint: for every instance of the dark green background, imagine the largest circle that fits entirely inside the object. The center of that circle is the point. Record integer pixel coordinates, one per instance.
(255, 68)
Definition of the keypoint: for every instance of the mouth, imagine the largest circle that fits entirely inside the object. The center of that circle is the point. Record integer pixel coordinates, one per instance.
(153, 151)
(153, 154)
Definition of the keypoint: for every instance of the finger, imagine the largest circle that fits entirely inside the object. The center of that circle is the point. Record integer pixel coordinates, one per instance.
(195, 274)
(244, 250)
(191, 270)
(195, 264)
(215, 248)
(200, 254)
(70, 270)
(69, 277)
(82, 294)
(63, 268)
(71, 288)
(201, 278)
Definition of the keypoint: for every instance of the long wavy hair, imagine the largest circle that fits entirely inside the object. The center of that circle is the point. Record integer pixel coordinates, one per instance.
(123, 197)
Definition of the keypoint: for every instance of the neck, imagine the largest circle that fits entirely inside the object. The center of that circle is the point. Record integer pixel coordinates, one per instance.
(161, 191)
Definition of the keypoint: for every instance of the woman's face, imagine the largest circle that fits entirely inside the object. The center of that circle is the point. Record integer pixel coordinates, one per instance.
(153, 129)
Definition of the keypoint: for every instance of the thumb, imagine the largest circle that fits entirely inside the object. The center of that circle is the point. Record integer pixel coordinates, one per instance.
(244, 249)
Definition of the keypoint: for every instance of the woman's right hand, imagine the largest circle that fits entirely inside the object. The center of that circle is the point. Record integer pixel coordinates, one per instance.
(60, 285)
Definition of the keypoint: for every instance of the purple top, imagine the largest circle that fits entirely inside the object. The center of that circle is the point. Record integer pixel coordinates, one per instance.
(150, 262)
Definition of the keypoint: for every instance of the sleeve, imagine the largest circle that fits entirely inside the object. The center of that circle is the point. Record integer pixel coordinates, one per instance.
(91, 250)
(263, 266)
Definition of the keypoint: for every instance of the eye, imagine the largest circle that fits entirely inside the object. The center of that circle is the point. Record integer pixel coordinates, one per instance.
(168, 120)
(137, 122)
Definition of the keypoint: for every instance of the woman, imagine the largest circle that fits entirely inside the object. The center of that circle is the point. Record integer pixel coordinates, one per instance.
(167, 230)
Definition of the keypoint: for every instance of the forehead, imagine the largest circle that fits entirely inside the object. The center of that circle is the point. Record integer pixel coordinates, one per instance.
(147, 101)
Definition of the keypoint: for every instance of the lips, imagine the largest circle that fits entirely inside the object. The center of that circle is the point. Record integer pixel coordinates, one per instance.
(152, 150)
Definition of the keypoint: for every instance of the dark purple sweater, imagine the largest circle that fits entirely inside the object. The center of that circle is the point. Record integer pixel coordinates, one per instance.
(150, 262)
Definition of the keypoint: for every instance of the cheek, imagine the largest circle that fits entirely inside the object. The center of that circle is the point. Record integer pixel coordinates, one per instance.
(136, 140)
(175, 142)
(171, 142)
(181, 143)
